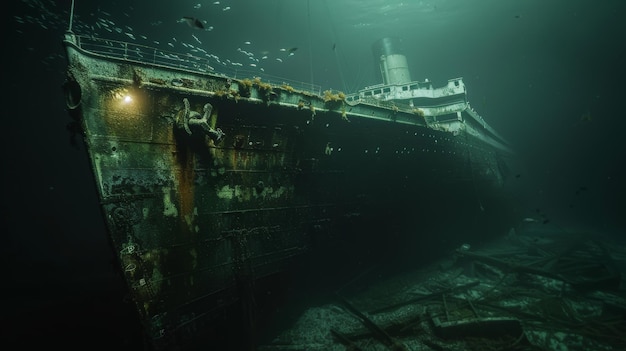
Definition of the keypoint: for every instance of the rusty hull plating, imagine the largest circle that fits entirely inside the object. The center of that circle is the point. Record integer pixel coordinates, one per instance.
(208, 183)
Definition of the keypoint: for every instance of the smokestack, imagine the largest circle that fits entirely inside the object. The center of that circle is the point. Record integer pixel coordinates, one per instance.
(393, 65)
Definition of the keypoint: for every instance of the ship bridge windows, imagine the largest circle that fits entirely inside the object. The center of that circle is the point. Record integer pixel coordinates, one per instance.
(410, 87)
(376, 92)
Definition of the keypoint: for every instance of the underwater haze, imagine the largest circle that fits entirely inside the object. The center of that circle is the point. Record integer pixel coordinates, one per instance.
(549, 76)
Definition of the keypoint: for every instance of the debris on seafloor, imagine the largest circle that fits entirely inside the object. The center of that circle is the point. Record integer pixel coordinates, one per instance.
(533, 291)
(379, 333)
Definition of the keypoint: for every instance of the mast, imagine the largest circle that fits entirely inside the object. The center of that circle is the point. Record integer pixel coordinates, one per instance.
(71, 16)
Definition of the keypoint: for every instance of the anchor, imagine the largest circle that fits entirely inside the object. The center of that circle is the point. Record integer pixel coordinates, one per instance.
(193, 118)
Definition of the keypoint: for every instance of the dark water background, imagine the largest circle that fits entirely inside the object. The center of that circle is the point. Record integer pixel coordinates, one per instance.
(550, 76)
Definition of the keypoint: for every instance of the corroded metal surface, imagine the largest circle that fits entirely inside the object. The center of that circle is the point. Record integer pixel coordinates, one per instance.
(208, 183)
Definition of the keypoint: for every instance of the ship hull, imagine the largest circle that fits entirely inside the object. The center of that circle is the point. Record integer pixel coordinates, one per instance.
(200, 220)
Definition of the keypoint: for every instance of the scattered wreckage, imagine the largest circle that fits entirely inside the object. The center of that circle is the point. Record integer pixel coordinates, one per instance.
(537, 291)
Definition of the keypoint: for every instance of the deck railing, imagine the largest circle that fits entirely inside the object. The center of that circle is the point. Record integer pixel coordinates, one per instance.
(140, 53)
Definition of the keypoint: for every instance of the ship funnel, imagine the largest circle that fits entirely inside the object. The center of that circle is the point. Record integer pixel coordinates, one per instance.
(393, 65)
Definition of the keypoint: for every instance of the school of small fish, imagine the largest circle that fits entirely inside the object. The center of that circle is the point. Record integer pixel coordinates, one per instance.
(48, 15)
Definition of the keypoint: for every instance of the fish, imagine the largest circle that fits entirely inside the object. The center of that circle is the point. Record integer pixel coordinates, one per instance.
(292, 50)
(529, 220)
(226, 8)
(193, 22)
(197, 6)
(580, 190)
(584, 119)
